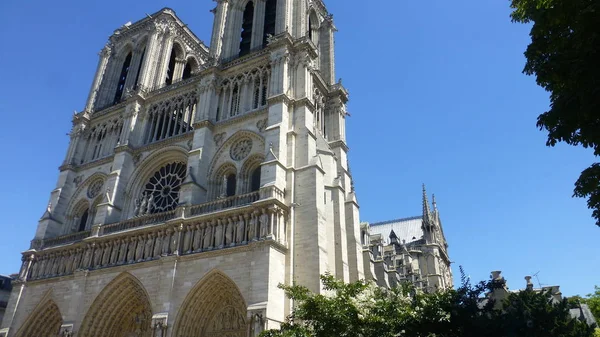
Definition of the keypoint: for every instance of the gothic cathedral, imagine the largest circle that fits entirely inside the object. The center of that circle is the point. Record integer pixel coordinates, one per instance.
(199, 178)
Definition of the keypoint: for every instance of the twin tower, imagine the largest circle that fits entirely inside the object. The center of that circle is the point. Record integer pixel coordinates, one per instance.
(196, 180)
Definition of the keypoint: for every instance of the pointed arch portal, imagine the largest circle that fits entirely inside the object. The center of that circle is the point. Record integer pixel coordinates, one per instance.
(44, 321)
(213, 308)
(121, 310)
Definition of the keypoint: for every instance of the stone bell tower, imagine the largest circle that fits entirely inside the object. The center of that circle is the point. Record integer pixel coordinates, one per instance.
(197, 179)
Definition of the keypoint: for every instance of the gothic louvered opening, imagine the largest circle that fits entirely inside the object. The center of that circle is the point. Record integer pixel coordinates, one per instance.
(270, 16)
(123, 78)
(246, 38)
(161, 193)
(83, 221)
(171, 117)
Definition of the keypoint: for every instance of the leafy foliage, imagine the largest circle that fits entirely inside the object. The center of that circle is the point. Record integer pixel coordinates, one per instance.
(362, 309)
(563, 55)
(592, 300)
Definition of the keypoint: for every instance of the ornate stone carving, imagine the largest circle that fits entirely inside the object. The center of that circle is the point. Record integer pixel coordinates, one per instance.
(219, 138)
(261, 125)
(241, 149)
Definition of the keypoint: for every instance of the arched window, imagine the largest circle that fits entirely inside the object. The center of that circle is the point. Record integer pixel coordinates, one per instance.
(139, 71)
(123, 78)
(171, 69)
(246, 38)
(83, 220)
(270, 16)
(231, 185)
(187, 71)
(255, 180)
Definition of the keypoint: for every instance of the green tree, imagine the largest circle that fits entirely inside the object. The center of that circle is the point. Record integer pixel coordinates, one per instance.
(593, 301)
(362, 309)
(563, 55)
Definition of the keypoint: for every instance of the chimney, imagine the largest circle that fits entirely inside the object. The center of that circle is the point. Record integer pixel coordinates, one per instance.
(529, 284)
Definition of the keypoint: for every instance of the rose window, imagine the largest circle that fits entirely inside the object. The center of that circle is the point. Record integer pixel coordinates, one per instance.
(162, 190)
(241, 149)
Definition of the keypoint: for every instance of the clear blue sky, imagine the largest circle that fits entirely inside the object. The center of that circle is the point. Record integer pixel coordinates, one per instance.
(437, 96)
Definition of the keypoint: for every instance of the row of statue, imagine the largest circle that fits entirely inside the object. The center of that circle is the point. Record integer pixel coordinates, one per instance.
(183, 239)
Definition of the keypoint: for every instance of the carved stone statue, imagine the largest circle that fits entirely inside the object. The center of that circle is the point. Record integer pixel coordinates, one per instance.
(219, 235)
(87, 258)
(148, 246)
(207, 237)
(264, 224)
(197, 244)
(143, 204)
(131, 250)
(239, 232)
(150, 204)
(252, 228)
(229, 232)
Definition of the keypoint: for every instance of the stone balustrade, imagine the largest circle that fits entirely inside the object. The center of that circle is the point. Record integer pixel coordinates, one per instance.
(267, 193)
(238, 227)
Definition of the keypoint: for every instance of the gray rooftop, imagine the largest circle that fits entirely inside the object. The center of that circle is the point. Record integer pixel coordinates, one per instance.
(584, 314)
(408, 229)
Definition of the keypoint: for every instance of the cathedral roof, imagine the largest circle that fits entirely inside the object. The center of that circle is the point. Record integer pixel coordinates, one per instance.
(408, 229)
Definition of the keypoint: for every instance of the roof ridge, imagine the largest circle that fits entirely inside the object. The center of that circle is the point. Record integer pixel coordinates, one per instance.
(396, 220)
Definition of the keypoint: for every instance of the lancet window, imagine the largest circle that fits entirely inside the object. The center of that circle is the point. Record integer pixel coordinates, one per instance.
(161, 192)
(102, 139)
(123, 78)
(255, 180)
(270, 19)
(171, 117)
(246, 36)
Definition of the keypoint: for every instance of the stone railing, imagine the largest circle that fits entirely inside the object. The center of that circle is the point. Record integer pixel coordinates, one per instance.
(145, 220)
(221, 204)
(152, 219)
(61, 240)
(263, 221)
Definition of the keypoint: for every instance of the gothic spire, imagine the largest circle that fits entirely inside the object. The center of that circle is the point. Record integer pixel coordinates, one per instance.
(426, 209)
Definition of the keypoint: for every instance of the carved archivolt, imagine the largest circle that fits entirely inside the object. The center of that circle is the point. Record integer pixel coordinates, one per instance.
(44, 321)
(121, 310)
(256, 144)
(214, 307)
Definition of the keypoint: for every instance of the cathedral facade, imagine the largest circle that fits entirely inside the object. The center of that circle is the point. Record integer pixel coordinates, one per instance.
(198, 179)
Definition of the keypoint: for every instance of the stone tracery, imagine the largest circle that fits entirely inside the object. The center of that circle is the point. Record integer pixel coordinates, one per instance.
(161, 193)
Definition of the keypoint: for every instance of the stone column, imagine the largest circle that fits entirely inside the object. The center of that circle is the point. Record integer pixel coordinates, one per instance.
(104, 55)
(216, 42)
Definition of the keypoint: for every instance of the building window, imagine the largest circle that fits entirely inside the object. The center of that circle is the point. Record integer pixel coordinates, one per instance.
(84, 219)
(231, 185)
(255, 180)
(187, 71)
(270, 16)
(122, 78)
(235, 101)
(161, 193)
(171, 69)
(246, 38)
